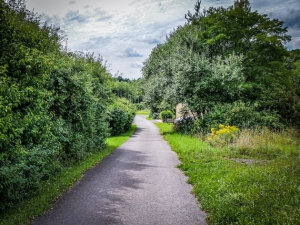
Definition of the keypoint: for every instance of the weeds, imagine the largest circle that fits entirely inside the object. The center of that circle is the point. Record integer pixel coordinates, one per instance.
(264, 144)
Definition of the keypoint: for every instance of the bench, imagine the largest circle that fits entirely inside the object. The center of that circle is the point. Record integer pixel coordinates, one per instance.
(169, 120)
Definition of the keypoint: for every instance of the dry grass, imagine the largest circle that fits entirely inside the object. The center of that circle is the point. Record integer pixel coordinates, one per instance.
(267, 144)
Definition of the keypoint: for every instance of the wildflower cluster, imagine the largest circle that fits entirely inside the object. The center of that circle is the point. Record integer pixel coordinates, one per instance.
(223, 134)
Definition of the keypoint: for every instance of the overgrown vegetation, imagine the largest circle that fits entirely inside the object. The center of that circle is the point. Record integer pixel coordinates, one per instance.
(55, 186)
(253, 180)
(166, 114)
(227, 65)
(53, 104)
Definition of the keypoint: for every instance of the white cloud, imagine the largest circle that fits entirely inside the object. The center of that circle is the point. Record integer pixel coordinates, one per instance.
(124, 32)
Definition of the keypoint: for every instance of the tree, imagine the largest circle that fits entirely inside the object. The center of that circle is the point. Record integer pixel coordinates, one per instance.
(258, 38)
(222, 56)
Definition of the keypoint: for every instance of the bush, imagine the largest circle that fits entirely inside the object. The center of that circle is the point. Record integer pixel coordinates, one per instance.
(166, 114)
(140, 106)
(155, 115)
(185, 125)
(243, 115)
(120, 116)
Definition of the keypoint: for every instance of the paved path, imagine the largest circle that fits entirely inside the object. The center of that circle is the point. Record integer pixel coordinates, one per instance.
(138, 184)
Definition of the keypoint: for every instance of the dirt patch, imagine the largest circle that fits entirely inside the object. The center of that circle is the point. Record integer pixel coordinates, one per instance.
(250, 161)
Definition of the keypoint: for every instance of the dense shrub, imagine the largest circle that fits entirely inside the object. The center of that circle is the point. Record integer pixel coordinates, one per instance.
(140, 106)
(120, 116)
(185, 125)
(79, 104)
(155, 115)
(166, 114)
(239, 114)
(52, 104)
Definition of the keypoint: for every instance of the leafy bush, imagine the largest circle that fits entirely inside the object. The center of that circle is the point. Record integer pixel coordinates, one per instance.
(184, 125)
(117, 119)
(140, 106)
(120, 116)
(52, 104)
(243, 115)
(166, 114)
(155, 115)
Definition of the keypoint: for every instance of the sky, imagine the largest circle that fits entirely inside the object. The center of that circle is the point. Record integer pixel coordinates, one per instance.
(124, 32)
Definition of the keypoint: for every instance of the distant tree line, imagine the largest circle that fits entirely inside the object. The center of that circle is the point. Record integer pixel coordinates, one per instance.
(132, 90)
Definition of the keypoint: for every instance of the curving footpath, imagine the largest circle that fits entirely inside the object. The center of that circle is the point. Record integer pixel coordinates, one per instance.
(138, 184)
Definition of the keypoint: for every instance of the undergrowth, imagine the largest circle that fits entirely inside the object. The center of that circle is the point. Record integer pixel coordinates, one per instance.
(253, 180)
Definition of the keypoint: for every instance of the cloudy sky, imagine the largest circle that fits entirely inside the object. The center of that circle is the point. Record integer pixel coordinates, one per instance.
(124, 32)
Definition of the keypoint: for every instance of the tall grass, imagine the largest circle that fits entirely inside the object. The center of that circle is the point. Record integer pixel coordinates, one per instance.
(254, 180)
(265, 144)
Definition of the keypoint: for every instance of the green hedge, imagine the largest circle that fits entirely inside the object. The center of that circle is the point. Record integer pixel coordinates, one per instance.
(53, 104)
(120, 116)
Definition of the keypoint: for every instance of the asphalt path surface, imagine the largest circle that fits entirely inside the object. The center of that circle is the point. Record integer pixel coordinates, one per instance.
(137, 184)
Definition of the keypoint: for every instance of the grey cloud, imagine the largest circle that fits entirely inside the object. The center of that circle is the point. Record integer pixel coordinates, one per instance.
(296, 44)
(151, 40)
(271, 4)
(136, 65)
(102, 15)
(94, 43)
(292, 19)
(72, 2)
(130, 52)
(75, 16)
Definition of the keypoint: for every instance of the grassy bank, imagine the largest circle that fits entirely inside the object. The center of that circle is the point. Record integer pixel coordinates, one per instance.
(144, 112)
(255, 180)
(56, 186)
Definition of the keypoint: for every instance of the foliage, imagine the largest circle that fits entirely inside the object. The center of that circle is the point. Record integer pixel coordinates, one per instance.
(185, 125)
(79, 104)
(120, 116)
(166, 114)
(52, 104)
(243, 115)
(57, 185)
(257, 183)
(140, 106)
(224, 58)
(129, 89)
(155, 115)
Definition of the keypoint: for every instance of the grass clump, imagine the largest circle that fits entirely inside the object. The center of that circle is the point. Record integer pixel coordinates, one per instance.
(56, 186)
(253, 180)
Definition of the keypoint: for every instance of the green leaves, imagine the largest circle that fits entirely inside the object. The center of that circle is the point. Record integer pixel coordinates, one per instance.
(222, 56)
(52, 104)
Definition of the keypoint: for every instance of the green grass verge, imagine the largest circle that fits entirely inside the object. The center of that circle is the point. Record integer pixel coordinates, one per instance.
(265, 191)
(56, 186)
(144, 112)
